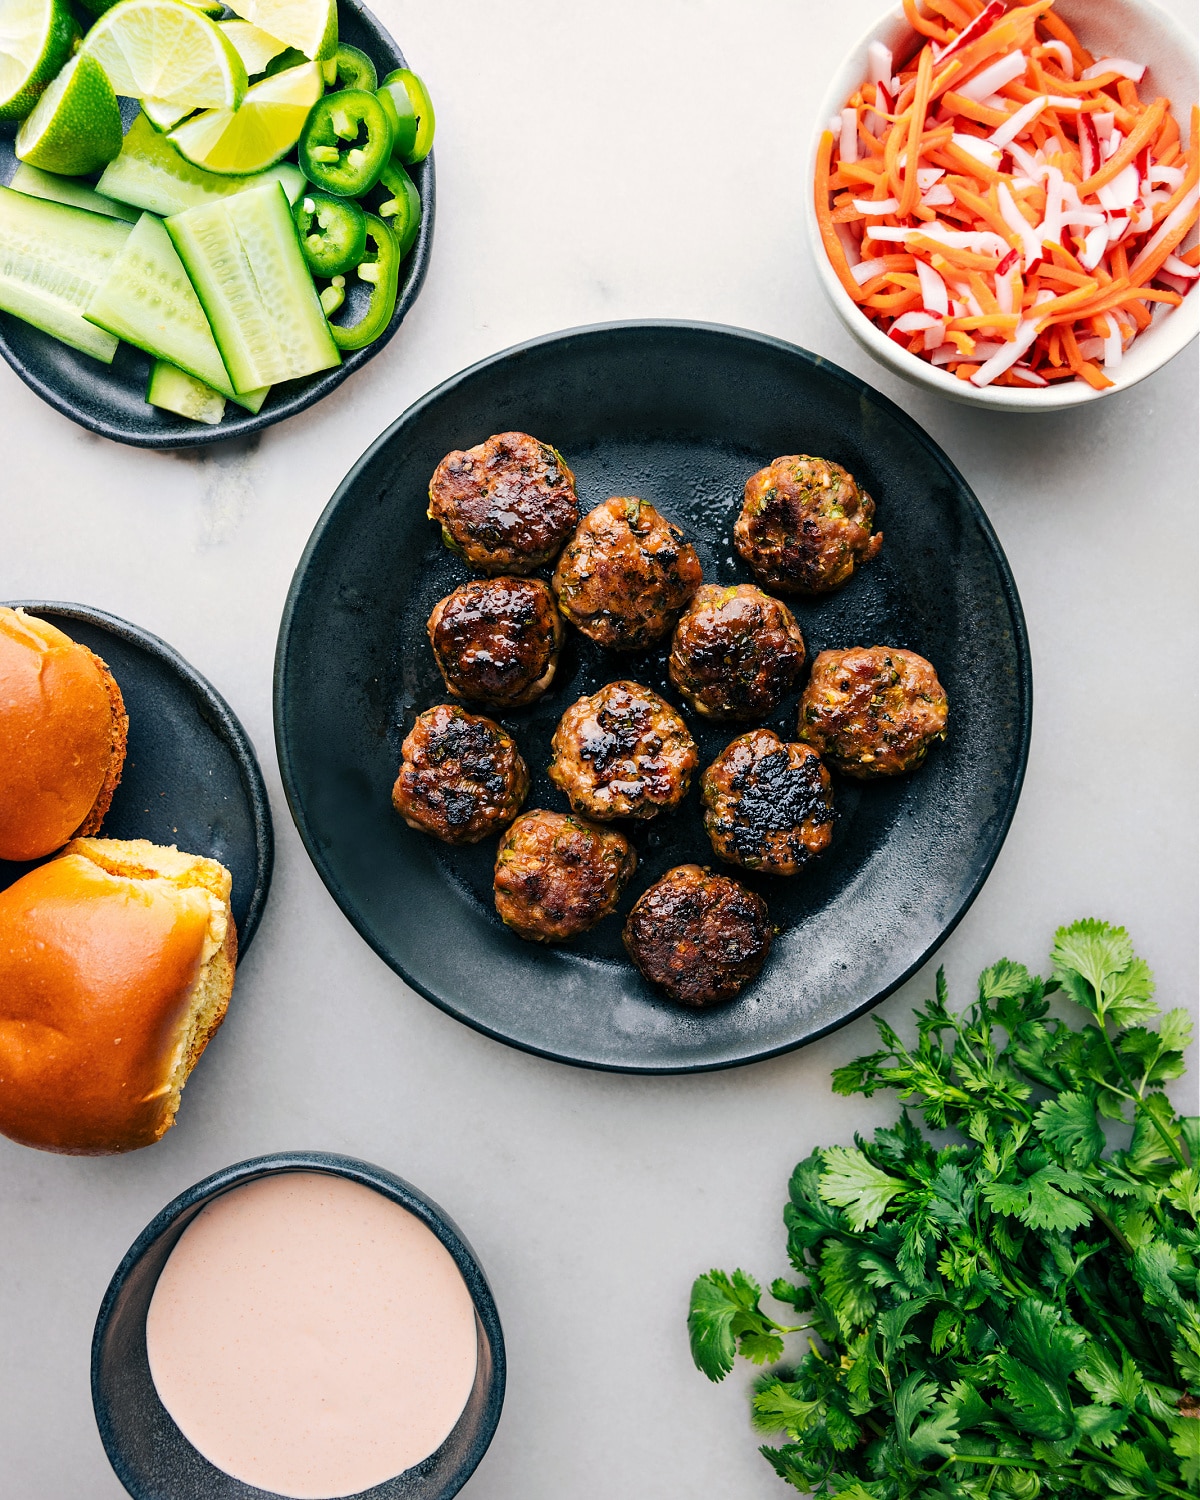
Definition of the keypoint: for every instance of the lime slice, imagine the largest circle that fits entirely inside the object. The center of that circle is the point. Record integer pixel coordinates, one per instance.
(308, 25)
(235, 142)
(75, 127)
(35, 41)
(253, 45)
(164, 115)
(161, 49)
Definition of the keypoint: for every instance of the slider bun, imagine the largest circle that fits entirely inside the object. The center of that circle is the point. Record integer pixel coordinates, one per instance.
(116, 967)
(62, 737)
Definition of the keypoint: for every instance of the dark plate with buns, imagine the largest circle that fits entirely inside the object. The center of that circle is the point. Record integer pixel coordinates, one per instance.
(191, 777)
(681, 415)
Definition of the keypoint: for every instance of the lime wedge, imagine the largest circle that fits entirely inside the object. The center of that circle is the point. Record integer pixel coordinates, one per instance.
(253, 45)
(164, 50)
(235, 142)
(75, 127)
(163, 115)
(308, 25)
(35, 41)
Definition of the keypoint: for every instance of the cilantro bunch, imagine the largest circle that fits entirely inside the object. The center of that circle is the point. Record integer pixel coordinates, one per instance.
(1009, 1308)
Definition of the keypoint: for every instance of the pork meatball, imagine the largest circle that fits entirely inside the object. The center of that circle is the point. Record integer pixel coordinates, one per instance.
(804, 525)
(557, 875)
(768, 806)
(506, 506)
(622, 753)
(873, 710)
(736, 652)
(497, 640)
(625, 574)
(462, 776)
(698, 936)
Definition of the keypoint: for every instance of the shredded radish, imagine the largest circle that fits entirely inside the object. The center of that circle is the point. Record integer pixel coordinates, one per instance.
(992, 12)
(848, 147)
(980, 149)
(1063, 53)
(1135, 72)
(993, 79)
(1174, 220)
(1008, 355)
(934, 296)
(1016, 123)
(867, 270)
(1181, 268)
(878, 206)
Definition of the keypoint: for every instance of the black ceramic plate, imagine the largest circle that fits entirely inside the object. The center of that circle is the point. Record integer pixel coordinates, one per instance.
(111, 399)
(682, 415)
(191, 777)
(152, 1457)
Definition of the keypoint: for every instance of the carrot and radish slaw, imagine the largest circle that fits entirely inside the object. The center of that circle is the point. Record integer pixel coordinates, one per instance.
(1005, 205)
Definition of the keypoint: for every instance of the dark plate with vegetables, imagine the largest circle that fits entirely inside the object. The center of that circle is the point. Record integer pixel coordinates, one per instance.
(191, 777)
(110, 399)
(681, 415)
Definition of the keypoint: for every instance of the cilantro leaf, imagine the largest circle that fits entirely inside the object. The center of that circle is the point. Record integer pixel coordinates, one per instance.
(854, 1184)
(1069, 1123)
(724, 1310)
(1036, 1200)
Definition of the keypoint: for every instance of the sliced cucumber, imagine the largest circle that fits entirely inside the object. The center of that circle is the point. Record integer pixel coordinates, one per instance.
(245, 261)
(151, 174)
(35, 183)
(52, 259)
(175, 390)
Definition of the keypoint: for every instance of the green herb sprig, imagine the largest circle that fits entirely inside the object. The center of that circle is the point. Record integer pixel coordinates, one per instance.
(1012, 1314)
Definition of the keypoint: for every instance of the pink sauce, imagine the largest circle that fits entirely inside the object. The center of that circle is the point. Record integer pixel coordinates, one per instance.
(311, 1337)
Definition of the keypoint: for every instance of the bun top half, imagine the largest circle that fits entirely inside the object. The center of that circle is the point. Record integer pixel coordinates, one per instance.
(63, 730)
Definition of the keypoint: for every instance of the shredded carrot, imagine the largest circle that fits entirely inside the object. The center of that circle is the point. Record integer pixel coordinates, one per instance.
(916, 126)
(923, 24)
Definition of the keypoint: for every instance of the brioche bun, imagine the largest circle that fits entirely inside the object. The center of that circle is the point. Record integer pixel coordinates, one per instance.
(116, 966)
(62, 737)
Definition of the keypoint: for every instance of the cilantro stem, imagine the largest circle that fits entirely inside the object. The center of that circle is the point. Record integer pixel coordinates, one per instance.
(1139, 1099)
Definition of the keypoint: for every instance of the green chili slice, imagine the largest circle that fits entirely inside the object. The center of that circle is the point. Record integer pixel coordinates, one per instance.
(354, 69)
(346, 143)
(402, 209)
(333, 232)
(410, 111)
(382, 272)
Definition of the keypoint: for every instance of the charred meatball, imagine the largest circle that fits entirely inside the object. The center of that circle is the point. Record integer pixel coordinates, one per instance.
(804, 525)
(873, 710)
(768, 806)
(622, 753)
(462, 777)
(557, 875)
(506, 506)
(625, 575)
(736, 652)
(496, 640)
(699, 936)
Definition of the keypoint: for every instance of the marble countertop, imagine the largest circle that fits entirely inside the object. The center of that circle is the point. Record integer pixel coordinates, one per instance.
(640, 158)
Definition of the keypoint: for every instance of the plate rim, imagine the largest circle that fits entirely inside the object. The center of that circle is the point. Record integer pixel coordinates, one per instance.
(231, 728)
(829, 369)
(326, 381)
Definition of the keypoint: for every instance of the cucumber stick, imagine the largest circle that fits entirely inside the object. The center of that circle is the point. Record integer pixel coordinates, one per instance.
(151, 174)
(52, 259)
(175, 390)
(244, 258)
(35, 183)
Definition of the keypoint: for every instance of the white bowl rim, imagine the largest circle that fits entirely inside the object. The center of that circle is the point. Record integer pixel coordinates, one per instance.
(1169, 336)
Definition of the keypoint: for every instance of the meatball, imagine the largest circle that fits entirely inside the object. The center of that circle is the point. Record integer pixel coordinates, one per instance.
(462, 776)
(768, 806)
(873, 710)
(625, 574)
(622, 753)
(496, 640)
(736, 652)
(506, 506)
(557, 875)
(699, 936)
(804, 525)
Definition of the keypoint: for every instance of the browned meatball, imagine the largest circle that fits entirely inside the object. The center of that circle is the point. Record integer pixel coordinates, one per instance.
(873, 710)
(506, 506)
(804, 525)
(736, 652)
(699, 936)
(625, 574)
(462, 776)
(557, 875)
(496, 640)
(622, 753)
(768, 806)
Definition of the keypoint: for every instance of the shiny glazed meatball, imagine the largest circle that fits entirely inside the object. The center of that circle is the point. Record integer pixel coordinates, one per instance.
(736, 652)
(873, 710)
(622, 753)
(804, 525)
(768, 806)
(496, 640)
(506, 506)
(625, 574)
(557, 875)
(462, 776)
(699, 936)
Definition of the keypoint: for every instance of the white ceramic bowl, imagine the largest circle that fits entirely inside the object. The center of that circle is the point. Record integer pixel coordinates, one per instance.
(1137, 29)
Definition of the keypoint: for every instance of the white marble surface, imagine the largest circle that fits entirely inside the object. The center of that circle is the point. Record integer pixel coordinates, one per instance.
(637, 158)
